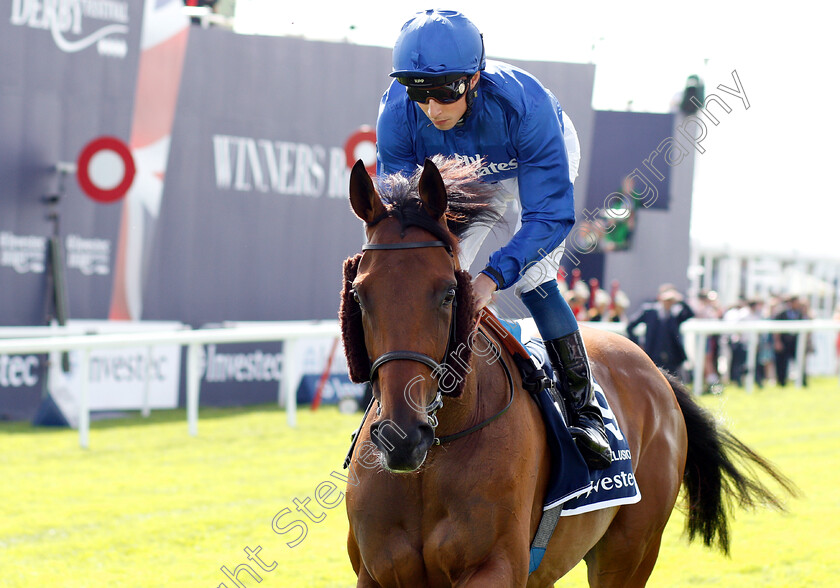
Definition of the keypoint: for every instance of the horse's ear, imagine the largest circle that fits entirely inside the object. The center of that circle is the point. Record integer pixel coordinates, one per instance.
(363, 197)
(432, 190)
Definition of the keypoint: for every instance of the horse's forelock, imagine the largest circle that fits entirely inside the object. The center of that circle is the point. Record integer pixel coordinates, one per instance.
(470, 201)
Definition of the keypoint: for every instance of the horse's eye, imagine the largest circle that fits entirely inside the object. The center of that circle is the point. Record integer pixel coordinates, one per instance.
(356, 296)
(450, 296)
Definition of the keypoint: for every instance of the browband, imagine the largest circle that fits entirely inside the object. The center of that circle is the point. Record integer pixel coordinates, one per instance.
(412, 245)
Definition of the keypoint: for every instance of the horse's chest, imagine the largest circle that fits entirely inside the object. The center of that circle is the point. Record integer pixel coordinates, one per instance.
(440, 543)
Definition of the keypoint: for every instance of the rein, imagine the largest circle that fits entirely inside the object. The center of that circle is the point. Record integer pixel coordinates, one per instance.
(437, 403)
(485, 422)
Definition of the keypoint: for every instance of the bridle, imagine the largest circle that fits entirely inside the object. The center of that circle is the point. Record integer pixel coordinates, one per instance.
(436, 366)
(437, 403)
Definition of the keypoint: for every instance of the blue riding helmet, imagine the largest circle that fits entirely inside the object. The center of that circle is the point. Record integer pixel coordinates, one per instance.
(437, 43)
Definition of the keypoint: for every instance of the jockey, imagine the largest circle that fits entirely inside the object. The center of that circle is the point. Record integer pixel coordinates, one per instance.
(447, 99)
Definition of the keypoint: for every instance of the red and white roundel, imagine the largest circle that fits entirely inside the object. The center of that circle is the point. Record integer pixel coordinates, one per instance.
(105, 169)
(362, 145)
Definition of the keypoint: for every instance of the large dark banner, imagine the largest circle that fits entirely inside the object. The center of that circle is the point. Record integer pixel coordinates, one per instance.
(67, 75)
(628, 178)
(625, 146)
(255, 221)
(638, 204)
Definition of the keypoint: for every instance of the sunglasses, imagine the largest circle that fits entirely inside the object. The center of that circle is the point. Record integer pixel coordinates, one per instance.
(445, 94)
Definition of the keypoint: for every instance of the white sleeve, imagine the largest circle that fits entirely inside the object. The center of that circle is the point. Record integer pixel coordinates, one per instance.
(572, 146)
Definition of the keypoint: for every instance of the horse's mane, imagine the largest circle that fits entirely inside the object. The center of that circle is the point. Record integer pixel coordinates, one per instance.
(470, 202)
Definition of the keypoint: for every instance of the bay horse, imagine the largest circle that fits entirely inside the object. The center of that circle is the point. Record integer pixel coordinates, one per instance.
(449, 468)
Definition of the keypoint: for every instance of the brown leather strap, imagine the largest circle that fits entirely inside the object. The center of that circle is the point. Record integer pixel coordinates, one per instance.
(501, 334)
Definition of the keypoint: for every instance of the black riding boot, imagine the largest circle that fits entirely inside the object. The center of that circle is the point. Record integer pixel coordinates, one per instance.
(568, 358)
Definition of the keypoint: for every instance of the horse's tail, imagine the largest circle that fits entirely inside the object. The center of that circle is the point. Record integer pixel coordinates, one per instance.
(719, 471)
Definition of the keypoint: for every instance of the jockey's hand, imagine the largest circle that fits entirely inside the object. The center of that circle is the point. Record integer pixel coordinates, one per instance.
(483, 288)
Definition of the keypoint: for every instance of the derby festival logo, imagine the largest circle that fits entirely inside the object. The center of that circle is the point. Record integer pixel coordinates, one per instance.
(76, 25)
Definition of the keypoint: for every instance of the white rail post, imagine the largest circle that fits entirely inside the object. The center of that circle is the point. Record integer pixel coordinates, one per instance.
(193, 387)
(699, 363)
(752, 354)
(801, 344)
(84, 401)
(288, 380)
(146, 411)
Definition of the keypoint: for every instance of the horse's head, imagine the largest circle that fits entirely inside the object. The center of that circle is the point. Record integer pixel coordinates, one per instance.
(407, 296)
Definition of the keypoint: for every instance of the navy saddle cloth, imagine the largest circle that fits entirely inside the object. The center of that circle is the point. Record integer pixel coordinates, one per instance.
(571, 484)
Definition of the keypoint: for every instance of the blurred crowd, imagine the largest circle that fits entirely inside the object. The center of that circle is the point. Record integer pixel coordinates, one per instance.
(590, 302)
(725, 358)
(726, 355)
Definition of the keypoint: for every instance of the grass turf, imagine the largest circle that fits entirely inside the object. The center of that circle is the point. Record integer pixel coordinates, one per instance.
(148, 505)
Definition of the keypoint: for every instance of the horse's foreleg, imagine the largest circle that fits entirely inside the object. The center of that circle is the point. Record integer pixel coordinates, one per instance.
(365, 581)
(364, 578)
(633, 572)
(496, 572)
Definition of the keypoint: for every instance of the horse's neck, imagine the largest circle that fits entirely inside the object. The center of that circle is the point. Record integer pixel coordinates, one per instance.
(485, 390)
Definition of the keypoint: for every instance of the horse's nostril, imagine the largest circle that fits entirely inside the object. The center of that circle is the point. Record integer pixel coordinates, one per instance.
(427, 433)
(403, 449)
(386, 435)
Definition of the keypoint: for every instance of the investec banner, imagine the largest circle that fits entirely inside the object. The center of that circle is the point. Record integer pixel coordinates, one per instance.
(121, 378)
(241, 373)
(20, 386)
(313, 357)
(250, 373)
(28, 253)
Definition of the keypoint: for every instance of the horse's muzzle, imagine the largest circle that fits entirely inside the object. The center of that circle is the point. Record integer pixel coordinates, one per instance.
(403, 449)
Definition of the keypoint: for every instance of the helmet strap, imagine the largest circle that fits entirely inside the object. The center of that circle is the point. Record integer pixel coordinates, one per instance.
(469, 97)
